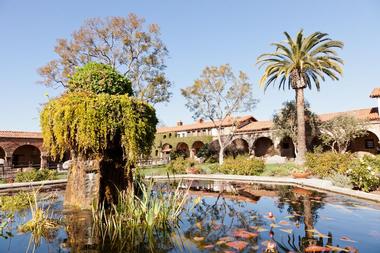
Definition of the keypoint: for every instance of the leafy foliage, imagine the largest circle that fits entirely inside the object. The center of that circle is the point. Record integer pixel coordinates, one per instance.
(125, 44)
(364, 177)
(241, 165)
(278, 170)
(302, 61)
(179, 165)
(324, 164)
(340, 180)
(36, 175)
(339, 131)
(14, 202)
(86, 123)
(140, 220)
(373, 162)
(297, 63)
(99, 78)
(217, 95)
(285, 121)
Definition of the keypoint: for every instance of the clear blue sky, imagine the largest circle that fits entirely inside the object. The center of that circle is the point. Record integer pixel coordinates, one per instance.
(197, 34)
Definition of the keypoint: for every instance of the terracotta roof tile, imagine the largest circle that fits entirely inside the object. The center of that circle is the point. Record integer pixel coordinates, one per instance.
(364, 114)
(20, 134)
(375, 93)
(202, 125)
(256, 126)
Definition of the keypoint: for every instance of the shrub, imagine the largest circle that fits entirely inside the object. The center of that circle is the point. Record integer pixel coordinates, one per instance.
(36, 175)
(373, 161)
(241, 165)
(179, 165)
(363, 176)
(279, 170)
(323, 164)
(340, 180)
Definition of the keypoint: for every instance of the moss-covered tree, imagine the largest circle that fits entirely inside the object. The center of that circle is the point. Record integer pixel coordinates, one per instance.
(104, 128)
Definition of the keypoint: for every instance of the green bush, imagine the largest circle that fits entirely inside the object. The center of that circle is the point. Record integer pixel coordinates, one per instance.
(340, 180)
(241, 165)
(36, 175)
(373, 161)
(179, 165)
(363, 176)
(278, 170)
(323, 164)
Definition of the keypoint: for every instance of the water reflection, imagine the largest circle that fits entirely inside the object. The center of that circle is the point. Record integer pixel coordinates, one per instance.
(227, 217)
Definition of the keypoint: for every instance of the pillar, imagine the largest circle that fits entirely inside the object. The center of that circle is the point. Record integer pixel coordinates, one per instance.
(44, 161)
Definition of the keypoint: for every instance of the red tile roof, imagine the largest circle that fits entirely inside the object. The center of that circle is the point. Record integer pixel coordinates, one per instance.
(364, 114)
(375, 93)
(20, 134)
(256, 126)
(203, 125)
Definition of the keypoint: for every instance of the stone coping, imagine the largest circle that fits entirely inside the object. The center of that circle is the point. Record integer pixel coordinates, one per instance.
(312, 183)
(23, 185)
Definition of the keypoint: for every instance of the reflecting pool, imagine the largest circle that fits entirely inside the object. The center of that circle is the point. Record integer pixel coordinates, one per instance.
(222, 217)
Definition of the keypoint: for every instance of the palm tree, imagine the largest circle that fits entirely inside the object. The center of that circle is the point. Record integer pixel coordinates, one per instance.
(298, 63)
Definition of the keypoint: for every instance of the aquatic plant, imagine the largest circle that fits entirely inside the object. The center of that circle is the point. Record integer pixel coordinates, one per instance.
(140, 216)
(41, 224)
(15, 202)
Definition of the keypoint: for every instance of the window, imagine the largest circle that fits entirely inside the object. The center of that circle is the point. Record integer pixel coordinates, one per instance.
(170, 135)
(164, 137)
(156, 152)
(285, 145)
(369, 143)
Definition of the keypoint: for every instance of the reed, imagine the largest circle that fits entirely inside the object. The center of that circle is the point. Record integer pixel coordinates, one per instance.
(144, 217)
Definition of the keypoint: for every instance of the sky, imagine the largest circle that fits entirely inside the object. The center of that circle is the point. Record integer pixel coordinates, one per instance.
(197, 33)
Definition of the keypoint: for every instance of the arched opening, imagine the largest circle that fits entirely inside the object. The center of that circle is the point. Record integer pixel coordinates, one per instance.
(367, 143)
(197, 145)
(2, 153)
(183, 149)
(238, 147)
(287, 148)
(263, 146)
(26, 156)
(166, 149)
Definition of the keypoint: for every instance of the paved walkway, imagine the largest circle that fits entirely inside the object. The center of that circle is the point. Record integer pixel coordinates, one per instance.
(13, 187)
(312, 183)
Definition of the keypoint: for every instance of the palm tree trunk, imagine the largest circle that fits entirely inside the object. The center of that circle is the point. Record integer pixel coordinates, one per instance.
(301, 136)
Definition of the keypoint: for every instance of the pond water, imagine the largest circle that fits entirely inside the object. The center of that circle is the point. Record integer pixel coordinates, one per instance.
(229, 217)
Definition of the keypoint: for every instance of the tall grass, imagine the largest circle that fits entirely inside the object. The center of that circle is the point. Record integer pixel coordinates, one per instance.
(140, 218)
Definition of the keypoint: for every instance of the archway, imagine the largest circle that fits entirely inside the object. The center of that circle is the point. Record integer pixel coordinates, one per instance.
(197, 145)
(237, 147)
(287, 148)
(367, 143)
(166, 149)
(26, 156)
(263, 146)
(2, 153)
(183, 149)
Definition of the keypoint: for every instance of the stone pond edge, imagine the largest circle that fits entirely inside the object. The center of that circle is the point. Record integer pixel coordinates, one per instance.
(312, 183)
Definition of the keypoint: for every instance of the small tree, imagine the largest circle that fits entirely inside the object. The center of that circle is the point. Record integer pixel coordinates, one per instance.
(104, 128)
(126, 44)
(339, 131)
(285, 121)
(217, 95)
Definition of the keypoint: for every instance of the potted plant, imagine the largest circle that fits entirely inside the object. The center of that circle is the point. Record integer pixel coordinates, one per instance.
(300, 173)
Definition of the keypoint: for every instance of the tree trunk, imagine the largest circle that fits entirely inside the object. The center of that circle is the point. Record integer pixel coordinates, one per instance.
(301, 136)
(221, 155)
